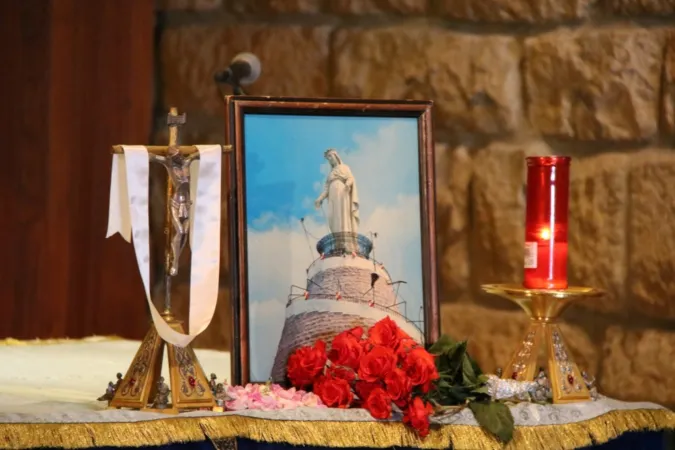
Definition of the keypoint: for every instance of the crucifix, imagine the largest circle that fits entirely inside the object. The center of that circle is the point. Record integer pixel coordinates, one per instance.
(143, 387)
(178, 193)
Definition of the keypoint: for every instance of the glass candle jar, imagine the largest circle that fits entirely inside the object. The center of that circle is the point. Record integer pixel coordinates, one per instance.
(546, 222)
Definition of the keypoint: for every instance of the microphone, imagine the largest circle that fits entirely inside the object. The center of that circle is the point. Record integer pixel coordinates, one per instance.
(243, 70)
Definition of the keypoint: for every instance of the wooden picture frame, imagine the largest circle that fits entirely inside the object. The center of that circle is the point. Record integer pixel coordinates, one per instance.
(245, 111)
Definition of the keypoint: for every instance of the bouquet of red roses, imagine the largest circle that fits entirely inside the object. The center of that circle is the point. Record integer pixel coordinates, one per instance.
(379, 371)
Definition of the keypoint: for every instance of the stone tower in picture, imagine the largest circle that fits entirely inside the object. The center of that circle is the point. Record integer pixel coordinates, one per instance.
(346, 286)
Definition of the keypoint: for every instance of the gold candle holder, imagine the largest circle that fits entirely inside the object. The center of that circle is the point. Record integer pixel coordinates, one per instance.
(544, 307)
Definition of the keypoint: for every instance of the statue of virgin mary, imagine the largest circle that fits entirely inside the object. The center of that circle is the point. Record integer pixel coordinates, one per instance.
(341, 195)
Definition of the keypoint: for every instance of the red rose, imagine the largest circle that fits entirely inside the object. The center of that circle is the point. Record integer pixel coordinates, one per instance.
(334, 392)
(305, 364)
(403, 402)
(404, 347)
(343, 373)
(386, 333)
(421, 368)
(357, 332)
(376, 364)
(346, 349)
(417, 416)
(364, 388)
(378, 404)
(398, 385)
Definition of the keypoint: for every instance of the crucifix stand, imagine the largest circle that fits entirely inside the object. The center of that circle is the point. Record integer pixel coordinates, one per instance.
(142, 387)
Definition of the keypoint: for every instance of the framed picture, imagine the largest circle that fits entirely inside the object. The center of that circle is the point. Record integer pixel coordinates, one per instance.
(331, 224)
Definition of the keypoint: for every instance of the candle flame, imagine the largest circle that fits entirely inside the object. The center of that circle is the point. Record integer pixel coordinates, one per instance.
(545, 234)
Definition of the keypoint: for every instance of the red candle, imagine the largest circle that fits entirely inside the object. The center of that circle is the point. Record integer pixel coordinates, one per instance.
(546, 222)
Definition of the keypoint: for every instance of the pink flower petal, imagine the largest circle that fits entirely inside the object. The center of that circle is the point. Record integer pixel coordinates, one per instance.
(269, 398)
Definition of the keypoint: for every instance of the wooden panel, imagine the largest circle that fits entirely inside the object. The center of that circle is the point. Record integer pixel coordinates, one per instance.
(23, 177)
(79, 79)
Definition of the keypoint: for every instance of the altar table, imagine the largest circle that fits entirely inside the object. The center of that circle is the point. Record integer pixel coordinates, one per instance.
(48, 397)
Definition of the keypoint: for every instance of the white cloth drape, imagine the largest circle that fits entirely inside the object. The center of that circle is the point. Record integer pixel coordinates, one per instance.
(60, 383)
(129, 216)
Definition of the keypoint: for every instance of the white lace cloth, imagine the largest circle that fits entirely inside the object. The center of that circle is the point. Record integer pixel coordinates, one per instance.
(59, 383)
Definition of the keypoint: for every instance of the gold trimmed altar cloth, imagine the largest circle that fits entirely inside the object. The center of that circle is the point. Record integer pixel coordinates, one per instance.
(55, 407)
(337, 434)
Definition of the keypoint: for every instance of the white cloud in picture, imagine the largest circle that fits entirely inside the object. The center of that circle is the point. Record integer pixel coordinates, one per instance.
(281, 258)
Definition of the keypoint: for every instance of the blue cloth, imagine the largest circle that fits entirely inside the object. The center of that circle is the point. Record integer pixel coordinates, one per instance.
(627, 441)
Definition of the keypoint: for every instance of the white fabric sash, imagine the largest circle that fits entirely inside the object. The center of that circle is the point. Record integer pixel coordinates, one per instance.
(129, 212)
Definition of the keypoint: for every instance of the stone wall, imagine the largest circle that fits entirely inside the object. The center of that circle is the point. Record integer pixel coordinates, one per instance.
(594, 79)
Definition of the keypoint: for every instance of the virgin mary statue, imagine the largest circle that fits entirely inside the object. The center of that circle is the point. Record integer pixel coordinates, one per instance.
(341, 195)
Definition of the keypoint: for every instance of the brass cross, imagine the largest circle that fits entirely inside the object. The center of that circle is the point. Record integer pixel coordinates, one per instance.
(174, 121)
(158, 153)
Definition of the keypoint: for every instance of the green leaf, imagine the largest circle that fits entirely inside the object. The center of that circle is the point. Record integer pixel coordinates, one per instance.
(476, 368)
(443, 366)
(442, 345)
(468, 374)
(456, 359)
(446, 363)
(453, 395)
(460, 377)
(495, 417)
(481, 390)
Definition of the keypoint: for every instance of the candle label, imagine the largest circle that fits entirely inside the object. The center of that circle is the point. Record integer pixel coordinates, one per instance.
(530, 255)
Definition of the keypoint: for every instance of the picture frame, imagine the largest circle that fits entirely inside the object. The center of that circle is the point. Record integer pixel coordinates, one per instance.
(268, 136)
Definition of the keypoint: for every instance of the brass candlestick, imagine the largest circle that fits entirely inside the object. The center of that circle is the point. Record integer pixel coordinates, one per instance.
(544, 307)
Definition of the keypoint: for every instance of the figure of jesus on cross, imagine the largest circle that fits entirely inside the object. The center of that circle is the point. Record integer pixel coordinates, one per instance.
(178, 195)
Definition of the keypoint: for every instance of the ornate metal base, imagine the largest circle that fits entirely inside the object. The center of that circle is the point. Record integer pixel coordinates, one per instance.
(189, 386)
(543, 338)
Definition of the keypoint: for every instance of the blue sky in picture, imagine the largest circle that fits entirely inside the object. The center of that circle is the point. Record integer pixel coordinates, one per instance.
(285, 171)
